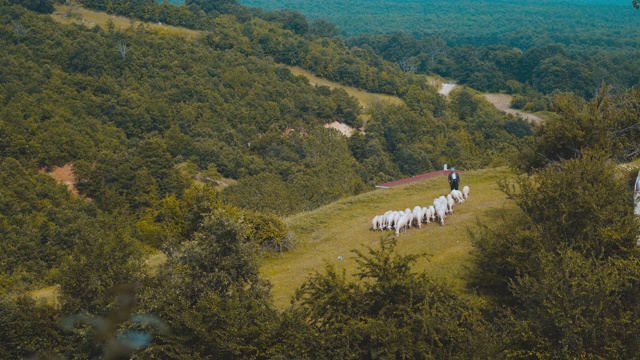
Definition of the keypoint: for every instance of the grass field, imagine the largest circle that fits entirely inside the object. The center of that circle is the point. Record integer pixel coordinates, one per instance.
(90, 18)
(47, 295)
(366, 99)
(336, 229)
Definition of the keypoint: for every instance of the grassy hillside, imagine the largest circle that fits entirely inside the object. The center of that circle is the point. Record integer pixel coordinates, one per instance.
(79, 15)
(366, 99)
(336, 229)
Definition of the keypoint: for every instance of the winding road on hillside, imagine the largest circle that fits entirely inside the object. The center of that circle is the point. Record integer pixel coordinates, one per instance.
(503, 102)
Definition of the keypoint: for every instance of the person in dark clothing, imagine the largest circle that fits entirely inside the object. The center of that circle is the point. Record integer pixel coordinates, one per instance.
(454, 179)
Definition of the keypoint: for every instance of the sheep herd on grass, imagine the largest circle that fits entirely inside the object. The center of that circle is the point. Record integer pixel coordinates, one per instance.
(403, 220)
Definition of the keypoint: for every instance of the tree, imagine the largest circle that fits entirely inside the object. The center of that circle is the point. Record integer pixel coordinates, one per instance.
(28, 329)
(465, 104)
(409, 64)
(216, 306)
(558, 266)
(388, 311)
(324, 28)
(434, 47)
(266, 193)
(606, 124)
(122, 48)
(19, 30)
(558, 73)
(209, 6)
(579, 204)
(106, 259)
(576, 307)
(41, 6)
(290, 20)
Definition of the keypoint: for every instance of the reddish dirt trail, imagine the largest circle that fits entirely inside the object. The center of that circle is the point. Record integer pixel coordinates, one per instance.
(417, 178)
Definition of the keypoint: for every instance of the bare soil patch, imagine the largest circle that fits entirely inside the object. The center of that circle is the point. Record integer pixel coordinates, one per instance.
(48, 295)
(64, 175)
(345, 129)
(446, 88)
(503, 102)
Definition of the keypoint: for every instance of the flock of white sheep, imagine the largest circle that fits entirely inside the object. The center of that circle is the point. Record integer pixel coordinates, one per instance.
(402, 220)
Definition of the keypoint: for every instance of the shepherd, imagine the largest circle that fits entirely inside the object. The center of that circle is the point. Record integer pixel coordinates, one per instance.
(454, 179)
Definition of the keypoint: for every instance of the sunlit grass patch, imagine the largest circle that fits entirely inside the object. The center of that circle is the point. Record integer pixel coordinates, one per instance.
(90, 18)
(48, 294)
(366, 99)
(334, 230)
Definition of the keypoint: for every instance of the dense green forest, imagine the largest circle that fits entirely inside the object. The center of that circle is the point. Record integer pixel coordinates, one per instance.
(524, 48)
(142, 116)
(513, 23)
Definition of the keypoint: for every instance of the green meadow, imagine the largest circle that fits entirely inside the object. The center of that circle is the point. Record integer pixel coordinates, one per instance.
(334, 230)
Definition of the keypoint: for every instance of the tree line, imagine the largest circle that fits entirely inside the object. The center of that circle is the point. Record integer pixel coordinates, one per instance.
(555, 275)
(520, 48)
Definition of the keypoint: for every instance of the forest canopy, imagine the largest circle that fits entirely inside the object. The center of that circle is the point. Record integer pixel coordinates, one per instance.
(512, 46)
(151, 258)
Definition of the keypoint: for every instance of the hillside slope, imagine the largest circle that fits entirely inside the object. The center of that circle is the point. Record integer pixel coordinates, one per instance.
(336, 229)
(503, 102)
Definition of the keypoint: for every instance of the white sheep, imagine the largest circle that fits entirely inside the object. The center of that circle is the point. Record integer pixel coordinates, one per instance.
(389, 222)
(441, 213)
(417, 216)
(450, 203)
(432, 212)
(457, 196)
(376, 223)
(396, 216)
(465, 192)
(383, 221)
(425, 215)
(401, 225)
(409, 213)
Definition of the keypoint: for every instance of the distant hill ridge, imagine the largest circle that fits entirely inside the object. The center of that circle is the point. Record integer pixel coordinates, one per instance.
(480, 22)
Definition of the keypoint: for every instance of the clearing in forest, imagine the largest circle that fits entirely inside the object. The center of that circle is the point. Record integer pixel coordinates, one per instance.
(334, 230)
(366, 99)
(446, 88)
(90, 18)
(64, 175)
(503, 102)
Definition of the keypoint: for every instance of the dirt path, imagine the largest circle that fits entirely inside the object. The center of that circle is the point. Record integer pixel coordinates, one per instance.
(345, 129)
(503, 102)
(446, 88)
(417, 178)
